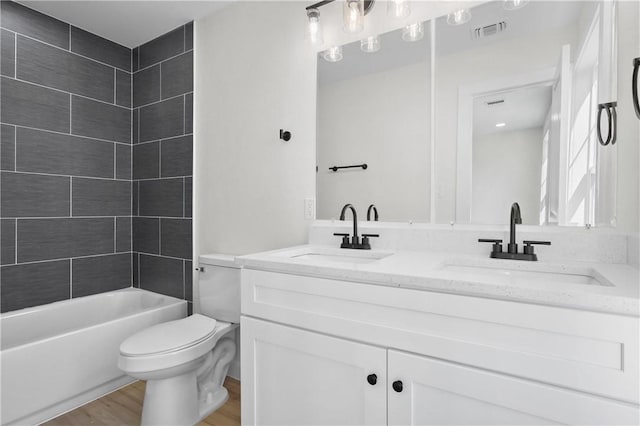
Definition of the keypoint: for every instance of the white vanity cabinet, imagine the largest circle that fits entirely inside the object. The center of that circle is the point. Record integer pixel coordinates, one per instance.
(309, 345)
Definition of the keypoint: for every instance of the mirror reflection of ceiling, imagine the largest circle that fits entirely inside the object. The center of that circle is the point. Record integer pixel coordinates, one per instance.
(394, 53)
(519, 109)
(532, 19)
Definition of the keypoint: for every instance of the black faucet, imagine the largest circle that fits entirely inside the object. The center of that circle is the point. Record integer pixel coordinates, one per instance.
(512, 247)
(375, 213)
(355, 240)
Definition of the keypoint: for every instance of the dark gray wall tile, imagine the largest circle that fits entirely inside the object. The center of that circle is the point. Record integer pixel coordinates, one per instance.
(100, 49)
(188, 113)
(162, 120)
(135, 272)
(188, 36)
(34, 284)
(7, 147)
(188, 195)
(123, 88)
(146, 160)
(123, 161)
(29, 105)
(100, 120)
(100, 197)
(175, 238)
(162, 275)
(123, 234)
(163, 197)
(146, 86)
(135, 133)
(177, 75)
(176, 156)
(7, 241)
(161, 48)
(188, 280)
(135, 59)
(26, 195)
(92, 275)
(8, 53)
(43, 239)
(52, 67)
(46, 152)
(34, 24)
(146, 235)
(135, 186)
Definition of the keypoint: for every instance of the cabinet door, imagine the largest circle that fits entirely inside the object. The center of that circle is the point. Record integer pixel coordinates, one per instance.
(442, 393)
(296, 377)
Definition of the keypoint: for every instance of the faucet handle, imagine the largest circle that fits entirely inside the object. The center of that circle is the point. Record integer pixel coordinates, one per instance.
(497, 244)
(528, 245)
(345, 239)
(365, 240)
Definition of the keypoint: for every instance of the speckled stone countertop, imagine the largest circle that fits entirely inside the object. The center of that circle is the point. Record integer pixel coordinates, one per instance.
(602, 287)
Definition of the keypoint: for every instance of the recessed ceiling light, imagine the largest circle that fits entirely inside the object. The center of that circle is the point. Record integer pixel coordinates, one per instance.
(501, 124)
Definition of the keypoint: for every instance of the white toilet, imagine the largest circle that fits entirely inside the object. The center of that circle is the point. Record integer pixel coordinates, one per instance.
(186, 361)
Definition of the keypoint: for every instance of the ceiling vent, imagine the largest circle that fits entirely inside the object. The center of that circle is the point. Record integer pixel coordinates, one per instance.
(489, 30)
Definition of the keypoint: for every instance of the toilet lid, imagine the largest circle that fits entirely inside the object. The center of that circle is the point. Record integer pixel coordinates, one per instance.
(169, 336)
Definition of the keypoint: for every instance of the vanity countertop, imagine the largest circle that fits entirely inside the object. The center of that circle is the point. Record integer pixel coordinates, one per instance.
(602, 287)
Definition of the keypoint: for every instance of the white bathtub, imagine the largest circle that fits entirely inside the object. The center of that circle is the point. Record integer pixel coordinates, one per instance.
(62, 355)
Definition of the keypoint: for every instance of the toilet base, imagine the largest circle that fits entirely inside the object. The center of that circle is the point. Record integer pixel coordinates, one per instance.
(171, 401)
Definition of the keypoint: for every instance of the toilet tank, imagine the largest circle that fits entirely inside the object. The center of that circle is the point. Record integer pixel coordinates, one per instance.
(219, 287)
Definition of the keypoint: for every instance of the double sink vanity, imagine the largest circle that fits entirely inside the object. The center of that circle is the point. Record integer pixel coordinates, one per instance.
(426, 328)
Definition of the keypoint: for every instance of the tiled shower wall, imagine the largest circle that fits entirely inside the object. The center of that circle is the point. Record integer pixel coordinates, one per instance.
(162, 163)
(66, 192)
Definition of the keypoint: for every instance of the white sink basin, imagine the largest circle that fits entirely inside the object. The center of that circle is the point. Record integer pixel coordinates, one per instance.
(330, 255)
(530, 274)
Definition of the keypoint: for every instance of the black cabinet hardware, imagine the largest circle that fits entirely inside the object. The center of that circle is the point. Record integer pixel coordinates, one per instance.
(336, 168)
(612, 120)
(285, 135)
(634, 86)
(397, 386)
(372, 379)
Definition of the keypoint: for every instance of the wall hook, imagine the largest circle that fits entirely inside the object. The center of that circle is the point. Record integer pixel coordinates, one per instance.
(285, 135)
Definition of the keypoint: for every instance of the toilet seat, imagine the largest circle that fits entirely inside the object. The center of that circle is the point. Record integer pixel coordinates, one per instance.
(170, 345)
(169, 336)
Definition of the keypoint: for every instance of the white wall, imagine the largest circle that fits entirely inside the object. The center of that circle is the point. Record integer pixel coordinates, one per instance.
(394, 143)
(506, 169)
(499, 59)
(254, 74)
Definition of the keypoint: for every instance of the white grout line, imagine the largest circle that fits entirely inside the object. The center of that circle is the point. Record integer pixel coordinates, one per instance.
(74, 176)
(69, 134)
(161, 100)
(159, 62)
(69, 51)
(86, 257)
(68, 93)
(85, 217)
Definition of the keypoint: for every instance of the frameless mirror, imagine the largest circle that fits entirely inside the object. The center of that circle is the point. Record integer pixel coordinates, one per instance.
(523, 86)
(374, 109)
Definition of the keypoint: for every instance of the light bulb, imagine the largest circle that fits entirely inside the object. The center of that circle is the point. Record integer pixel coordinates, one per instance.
(332, 54)
(514, 4)
(413, 32)
(370, 44)
(398, 8)
(353, 16)
(314, 29)
(459, 17)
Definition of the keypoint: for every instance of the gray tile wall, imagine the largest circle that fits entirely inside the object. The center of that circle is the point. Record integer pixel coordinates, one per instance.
(96, 161)
(163, 163)
(66, 188)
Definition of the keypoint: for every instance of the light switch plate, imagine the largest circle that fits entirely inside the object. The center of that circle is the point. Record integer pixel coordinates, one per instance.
(309, 208)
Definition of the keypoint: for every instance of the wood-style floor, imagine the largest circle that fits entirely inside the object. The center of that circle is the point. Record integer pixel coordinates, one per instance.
(124, 407)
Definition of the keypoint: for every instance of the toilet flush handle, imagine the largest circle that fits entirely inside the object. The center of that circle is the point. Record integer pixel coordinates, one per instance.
(201, 269)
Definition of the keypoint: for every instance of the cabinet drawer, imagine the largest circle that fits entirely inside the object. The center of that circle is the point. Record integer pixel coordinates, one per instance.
(587, 351)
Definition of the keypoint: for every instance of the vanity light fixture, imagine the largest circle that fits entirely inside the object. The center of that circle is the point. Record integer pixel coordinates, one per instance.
(370, 44)
(353, 16)
(332, 54)
(501, 124)
(514, 4)
(459, 17)
(413, 32)
(314, 28)
(398, 8)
